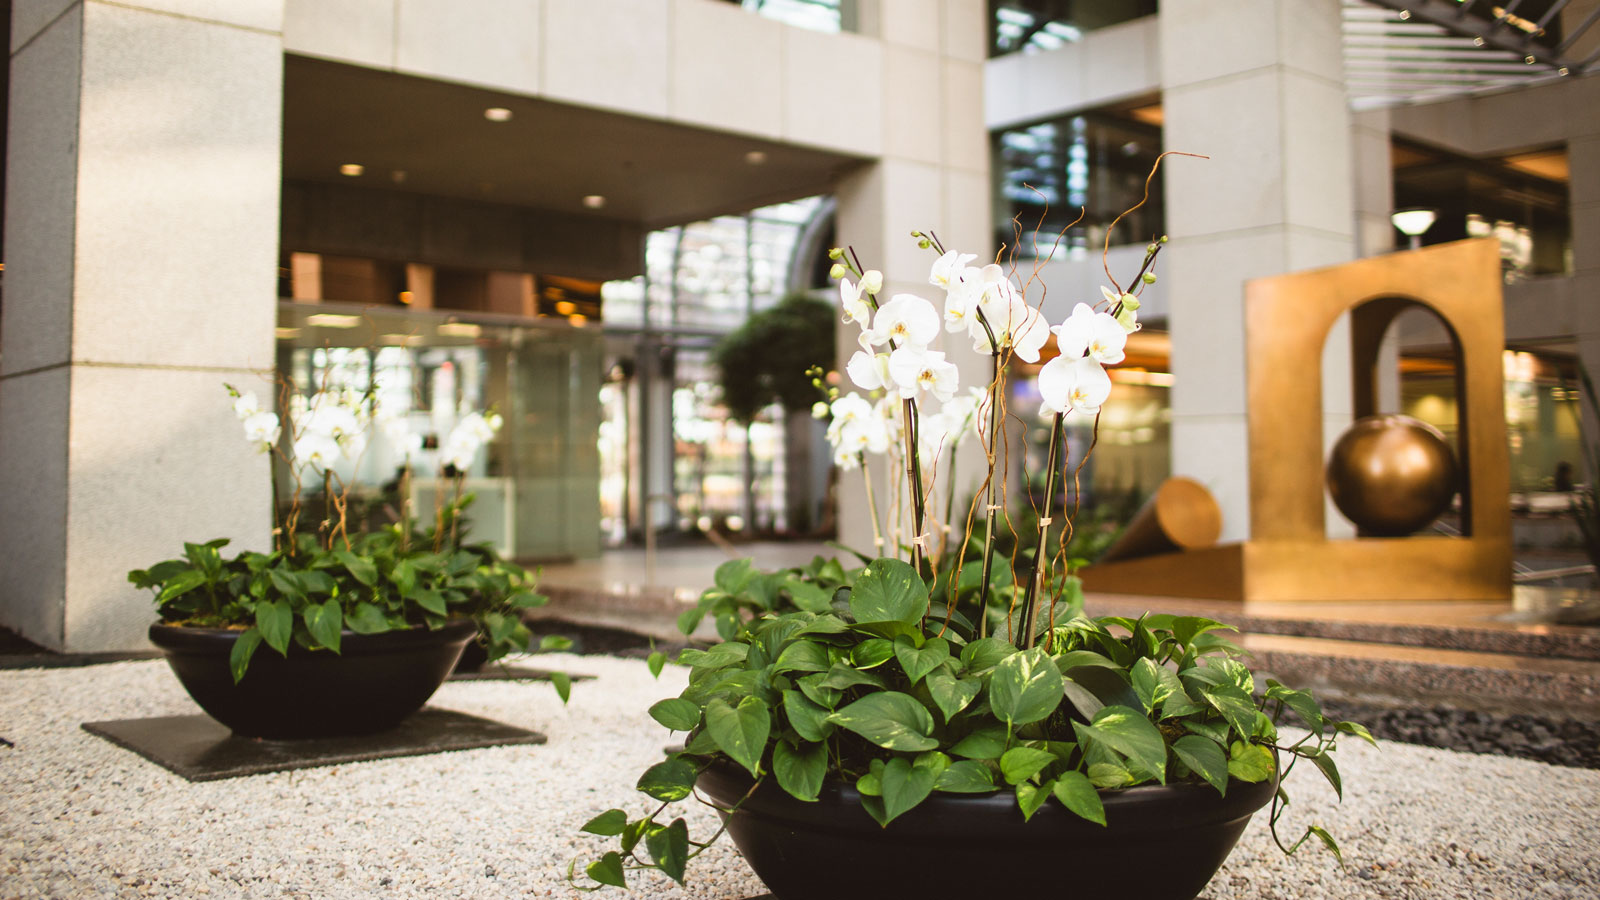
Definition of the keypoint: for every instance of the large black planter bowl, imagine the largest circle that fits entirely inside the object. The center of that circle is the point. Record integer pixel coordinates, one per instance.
(373, 682)
(1159, 843)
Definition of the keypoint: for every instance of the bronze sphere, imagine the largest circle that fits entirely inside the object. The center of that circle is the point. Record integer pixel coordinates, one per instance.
(1391, 475)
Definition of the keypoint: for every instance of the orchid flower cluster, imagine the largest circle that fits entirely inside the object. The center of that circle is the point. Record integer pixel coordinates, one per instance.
(333, 424)
(900, 374)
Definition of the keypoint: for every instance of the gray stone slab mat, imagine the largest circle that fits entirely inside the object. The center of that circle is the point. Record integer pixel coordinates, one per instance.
(198, 748)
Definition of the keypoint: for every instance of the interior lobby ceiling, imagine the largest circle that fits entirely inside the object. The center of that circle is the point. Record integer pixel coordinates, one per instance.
(431, 137)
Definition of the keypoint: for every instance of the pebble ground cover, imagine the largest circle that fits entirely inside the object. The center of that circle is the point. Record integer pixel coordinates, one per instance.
(84, 819)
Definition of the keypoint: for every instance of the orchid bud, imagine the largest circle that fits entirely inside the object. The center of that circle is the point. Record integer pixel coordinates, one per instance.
(819, 410)
(1129, 301)
(838, 271)
(1149, 278)
(872, 281)
(836, 254)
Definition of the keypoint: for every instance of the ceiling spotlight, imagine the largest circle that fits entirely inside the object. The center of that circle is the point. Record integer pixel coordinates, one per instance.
(594, 201)
(1405, 14)
(497, 114)
(398, 175)
(1477, 41)
(578, 320)
(1413, 222)
(1530, 60)
(755, 157)
(352, 169)
(286, 333)
(1563, 71)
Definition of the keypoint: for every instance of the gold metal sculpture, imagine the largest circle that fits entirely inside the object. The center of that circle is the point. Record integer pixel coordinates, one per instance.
(1181, 515)
(1289, 556)
(1391, 475)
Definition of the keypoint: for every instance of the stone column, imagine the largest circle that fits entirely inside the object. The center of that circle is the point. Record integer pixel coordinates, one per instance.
(933, 173)
(1583, 155)
(141, 250)
(1374, 199)
(1258, 87)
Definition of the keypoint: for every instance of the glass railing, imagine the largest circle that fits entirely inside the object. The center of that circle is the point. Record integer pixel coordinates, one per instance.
(817, 15)
(1032, 26)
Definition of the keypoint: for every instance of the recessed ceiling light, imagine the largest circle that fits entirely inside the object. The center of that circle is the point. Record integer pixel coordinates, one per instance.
(352, 169)
(332, 320)
(402, 340)
(755, 157)
(497, 114)
(460, 329)
(594, 201)
(286, 334)
(578, 320)
(399, 175)
(566, 307)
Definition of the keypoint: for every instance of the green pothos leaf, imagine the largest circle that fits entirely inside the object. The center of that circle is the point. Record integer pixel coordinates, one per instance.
(244, 647)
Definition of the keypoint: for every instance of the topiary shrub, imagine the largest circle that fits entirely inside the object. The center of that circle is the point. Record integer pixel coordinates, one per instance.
(764, 361)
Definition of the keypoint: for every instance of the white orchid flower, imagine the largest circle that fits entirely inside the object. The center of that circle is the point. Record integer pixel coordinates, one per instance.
(1095, 334)
(849, 408)
(1127, 316)
(887, 411)
(316, 449)
(261, 429)
(1022, 327)
(856, 428)
(948, 267)
(962, 411)
(246, 405)
(906, 319)
(335, 420)
(299, 408)
(915, 370)
(997, 298)
(1073, 386)
(872, 281)
(845, 460)
(856, 307)
(869, 371)
(961, 300)
(460, 449)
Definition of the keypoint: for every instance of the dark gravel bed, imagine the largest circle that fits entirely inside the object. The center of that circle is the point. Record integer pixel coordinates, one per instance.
(598, 640)
(1561, 742)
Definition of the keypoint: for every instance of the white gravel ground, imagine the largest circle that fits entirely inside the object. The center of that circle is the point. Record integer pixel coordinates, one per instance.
(82, 818)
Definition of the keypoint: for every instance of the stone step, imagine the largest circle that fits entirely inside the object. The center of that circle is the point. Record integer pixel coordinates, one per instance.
(1522, 627)
(1500, 683)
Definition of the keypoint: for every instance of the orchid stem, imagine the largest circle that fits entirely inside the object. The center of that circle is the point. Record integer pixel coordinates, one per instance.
(989, 514)
(1030, 599)
(872, 507)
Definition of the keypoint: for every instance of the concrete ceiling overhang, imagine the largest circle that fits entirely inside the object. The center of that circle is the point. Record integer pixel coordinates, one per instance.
(548, 156)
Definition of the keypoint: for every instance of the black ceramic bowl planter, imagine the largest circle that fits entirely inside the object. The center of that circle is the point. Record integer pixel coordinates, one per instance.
(371, 684)
(963, 845)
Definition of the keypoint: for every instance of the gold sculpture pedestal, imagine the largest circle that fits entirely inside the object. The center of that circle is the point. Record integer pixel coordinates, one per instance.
(1289, 556)
(1414, 568)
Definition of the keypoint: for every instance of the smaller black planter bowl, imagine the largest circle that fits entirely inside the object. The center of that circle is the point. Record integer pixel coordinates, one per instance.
(1161, 842)
(373, 682)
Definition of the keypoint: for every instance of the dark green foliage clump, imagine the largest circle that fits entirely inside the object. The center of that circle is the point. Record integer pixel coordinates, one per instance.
(765, 360)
